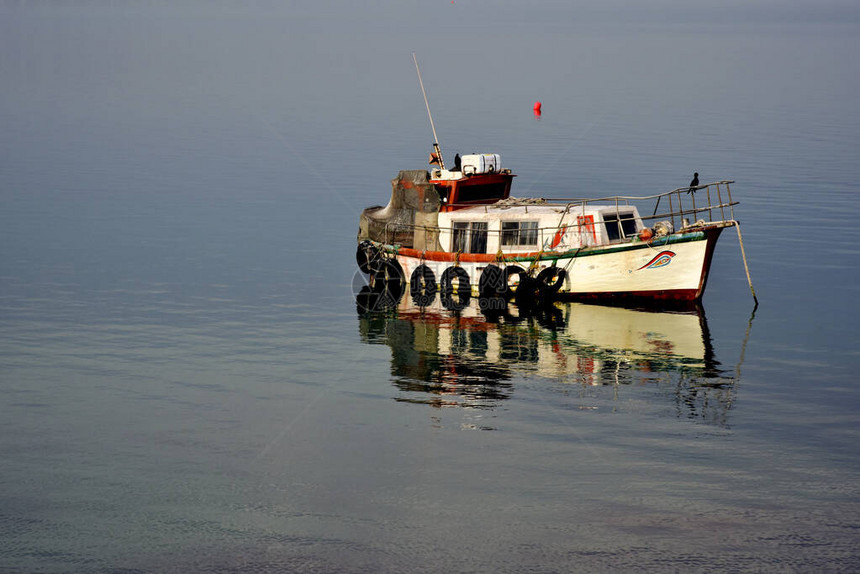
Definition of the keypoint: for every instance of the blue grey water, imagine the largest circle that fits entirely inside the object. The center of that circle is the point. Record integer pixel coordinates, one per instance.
(186, 384)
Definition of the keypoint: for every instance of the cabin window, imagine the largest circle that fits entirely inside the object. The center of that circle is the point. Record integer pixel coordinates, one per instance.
(518, 233)
(442, 190)
(615, 227)
(469, 237)
(483, 192)
(478, 239)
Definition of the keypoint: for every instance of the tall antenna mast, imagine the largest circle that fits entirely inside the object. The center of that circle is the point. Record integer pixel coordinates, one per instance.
(432, 126)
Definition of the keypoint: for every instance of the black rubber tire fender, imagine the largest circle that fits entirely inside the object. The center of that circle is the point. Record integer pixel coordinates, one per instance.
(422, 286)
(389, 277)
(551, 279)
(510, 271)
(492, 282)
(446, 282)
(529, 292)
(367, 257)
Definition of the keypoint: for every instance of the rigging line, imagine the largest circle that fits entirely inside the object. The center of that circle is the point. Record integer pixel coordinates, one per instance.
(574, 140)
(279, 437)
(307, 164)
(426, 103)
(283, 139)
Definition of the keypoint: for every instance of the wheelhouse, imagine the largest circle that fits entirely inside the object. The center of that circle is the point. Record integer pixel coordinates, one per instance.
(526, 229)
(480, 180)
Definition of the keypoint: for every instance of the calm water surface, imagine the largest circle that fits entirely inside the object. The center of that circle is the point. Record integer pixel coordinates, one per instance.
(187, 385)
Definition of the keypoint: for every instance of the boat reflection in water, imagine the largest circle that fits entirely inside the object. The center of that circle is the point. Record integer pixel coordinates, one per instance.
(469, 354)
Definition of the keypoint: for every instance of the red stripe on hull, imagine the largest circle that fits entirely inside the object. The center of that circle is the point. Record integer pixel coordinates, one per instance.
(670, 295)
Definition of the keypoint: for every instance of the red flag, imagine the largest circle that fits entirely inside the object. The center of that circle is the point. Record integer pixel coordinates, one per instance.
(434, 158)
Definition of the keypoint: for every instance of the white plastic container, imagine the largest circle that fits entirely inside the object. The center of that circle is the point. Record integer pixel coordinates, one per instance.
(481, 163)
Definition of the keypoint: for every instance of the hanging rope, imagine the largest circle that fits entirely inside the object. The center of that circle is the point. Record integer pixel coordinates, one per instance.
(746, 267)
(533, 265)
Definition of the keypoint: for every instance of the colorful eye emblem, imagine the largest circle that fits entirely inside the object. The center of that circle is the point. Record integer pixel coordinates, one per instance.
(662, 259)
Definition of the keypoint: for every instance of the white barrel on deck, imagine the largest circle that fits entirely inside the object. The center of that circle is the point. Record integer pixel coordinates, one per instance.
(481, 163)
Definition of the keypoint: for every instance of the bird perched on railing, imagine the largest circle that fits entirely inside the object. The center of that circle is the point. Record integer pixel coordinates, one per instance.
(694, 184)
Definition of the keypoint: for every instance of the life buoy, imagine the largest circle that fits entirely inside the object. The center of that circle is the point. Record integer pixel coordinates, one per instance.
(492, 282)
(446, 282)
(367, 256)
(422, 286)
(551, 279)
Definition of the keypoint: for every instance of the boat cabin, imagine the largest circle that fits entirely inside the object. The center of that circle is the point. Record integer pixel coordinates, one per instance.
(512, 228)
(469, 210)
(476, 216)
(479, 180)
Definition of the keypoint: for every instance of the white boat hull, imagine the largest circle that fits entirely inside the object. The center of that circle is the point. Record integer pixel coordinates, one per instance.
(672, 268)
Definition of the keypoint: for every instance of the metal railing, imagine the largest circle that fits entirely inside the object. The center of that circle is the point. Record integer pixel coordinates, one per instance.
(681, 205)
(714, 193)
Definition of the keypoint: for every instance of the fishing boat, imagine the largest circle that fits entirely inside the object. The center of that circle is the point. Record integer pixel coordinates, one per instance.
(459, 232)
